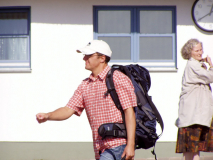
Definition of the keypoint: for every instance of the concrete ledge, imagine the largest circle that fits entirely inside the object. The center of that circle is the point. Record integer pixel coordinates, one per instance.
(80, 151)
(15, 70)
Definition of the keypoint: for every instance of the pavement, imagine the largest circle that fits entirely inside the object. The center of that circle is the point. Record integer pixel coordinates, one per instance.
(177, 158)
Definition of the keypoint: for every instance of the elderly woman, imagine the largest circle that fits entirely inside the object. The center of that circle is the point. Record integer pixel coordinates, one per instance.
(194, 121)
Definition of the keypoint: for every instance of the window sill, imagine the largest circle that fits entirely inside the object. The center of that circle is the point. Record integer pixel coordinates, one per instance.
(162, 69)
(15, 70)
(165, 69)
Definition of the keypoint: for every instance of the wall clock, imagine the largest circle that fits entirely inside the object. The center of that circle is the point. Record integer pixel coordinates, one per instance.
(202, 14)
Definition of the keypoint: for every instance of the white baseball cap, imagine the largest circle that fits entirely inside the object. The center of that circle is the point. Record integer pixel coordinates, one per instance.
(96, 46)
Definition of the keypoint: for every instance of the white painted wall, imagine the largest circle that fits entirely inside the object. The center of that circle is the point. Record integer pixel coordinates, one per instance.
(58, 28)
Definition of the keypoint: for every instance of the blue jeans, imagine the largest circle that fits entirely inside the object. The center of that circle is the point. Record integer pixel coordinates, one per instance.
(116, 152)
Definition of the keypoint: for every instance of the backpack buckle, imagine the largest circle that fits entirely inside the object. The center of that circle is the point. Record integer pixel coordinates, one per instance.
(115, 133)
(108, 91)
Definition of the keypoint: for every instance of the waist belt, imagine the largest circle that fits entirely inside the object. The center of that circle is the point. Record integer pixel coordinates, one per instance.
(112, 130)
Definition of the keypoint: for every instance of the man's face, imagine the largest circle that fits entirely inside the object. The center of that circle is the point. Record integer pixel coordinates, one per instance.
(92, 61)
(197, 52)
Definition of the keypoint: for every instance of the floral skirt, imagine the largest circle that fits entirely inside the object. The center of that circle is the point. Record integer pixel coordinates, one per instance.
(195, 138)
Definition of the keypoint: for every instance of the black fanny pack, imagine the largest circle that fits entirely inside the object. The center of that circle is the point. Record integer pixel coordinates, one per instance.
(112, 130)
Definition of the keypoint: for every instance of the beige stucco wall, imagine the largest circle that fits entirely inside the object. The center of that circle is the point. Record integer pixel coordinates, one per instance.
(58, 28)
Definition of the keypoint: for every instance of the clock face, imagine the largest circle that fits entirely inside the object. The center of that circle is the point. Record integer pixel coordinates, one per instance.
(202, 14)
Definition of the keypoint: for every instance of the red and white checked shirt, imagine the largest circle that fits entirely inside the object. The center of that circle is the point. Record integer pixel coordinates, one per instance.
(100, 108)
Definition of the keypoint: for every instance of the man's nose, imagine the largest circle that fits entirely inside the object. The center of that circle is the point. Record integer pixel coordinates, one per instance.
(84, 58)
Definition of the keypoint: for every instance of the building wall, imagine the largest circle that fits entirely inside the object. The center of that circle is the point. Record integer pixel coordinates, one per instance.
(58, 28)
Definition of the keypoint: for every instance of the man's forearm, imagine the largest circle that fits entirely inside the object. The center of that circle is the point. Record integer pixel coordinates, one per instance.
(60, 114)
(130, 125)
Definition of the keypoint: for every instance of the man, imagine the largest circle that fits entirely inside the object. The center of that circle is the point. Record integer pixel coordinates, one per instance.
(100, 108)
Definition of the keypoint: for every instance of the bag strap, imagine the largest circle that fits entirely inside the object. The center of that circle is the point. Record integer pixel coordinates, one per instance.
(157, 114)
(111, 89)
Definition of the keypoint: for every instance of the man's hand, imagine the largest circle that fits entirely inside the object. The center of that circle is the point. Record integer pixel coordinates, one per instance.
(42, 117)
(129, 152)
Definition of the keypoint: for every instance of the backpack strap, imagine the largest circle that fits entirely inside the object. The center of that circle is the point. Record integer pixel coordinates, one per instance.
(157, 114)
(113, 94)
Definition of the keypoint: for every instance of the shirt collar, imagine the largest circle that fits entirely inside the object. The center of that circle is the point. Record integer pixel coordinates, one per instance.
(101, 75)
(192, 59)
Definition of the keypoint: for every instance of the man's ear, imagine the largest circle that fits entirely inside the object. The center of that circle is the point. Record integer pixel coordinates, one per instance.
(103, 58)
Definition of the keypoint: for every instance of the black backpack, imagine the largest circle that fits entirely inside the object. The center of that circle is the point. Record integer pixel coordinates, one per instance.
(146, 113)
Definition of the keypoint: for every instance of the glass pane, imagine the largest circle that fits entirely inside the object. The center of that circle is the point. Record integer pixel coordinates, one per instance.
(114, 22)
(156, 22)
(120, 46)
(156, 48)
(13, 49)
(13, 23)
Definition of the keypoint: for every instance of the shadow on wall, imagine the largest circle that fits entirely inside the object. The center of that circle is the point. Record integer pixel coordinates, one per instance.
(81, 12)
(62, 12)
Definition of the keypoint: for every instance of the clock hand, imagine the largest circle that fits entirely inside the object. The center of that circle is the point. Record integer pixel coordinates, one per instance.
(209, 14)
(204, 16)
(211, 10)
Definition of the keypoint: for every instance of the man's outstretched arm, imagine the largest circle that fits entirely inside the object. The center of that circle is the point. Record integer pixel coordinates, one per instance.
(57, 115)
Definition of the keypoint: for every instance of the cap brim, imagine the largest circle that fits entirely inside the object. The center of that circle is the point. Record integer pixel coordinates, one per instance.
(86, 51)
(78, 51)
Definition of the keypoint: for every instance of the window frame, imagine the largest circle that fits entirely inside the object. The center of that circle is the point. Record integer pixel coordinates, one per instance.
(135, 34)
(18, 65)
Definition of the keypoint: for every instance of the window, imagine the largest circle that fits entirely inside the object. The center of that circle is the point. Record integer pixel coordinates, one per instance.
(138, 34)
(15, 38)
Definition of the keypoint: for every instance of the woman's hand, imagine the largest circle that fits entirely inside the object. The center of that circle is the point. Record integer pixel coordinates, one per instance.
(208, 60)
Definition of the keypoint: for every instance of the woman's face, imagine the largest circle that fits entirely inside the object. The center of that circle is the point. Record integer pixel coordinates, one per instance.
(197, 52)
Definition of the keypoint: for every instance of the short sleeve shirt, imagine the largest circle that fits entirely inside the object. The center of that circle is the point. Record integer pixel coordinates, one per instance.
(100, 108)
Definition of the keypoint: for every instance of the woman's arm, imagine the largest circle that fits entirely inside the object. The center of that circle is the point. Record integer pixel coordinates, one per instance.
(198, 74)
